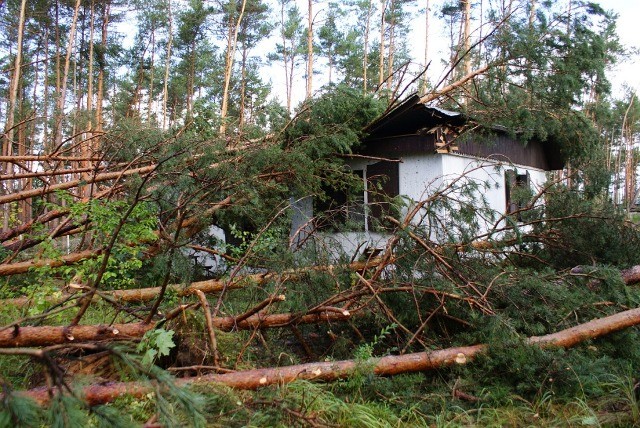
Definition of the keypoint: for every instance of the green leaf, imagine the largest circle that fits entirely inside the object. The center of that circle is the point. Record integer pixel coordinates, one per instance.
(164, 342)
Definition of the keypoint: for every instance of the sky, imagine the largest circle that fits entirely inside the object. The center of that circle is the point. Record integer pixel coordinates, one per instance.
(627, 72)
(623, 74)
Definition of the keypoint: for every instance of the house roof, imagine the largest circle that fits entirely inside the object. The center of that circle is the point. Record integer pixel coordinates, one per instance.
(410, 116)
(408, 128)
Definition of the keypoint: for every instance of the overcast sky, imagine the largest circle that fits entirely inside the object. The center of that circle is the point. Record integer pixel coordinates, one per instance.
(626, 73)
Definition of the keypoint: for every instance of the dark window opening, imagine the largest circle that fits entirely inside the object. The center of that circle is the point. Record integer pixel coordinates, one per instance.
(351, 210)
(383, 185)
(518, 192)
(342, 208)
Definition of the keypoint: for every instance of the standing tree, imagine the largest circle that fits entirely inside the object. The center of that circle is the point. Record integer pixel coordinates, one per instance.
(289, 49)
(234, 13)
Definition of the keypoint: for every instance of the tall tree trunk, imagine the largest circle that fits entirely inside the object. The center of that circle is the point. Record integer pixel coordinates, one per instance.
(391, 47)
(65, 77)
(151, 77)
(165, 91)
(191, 78)
(243, 88)
(629, 168)
(7, 147)
(101, 72)
(232, 43)
(383, 11)
(50, 143)
(365, 57)
(86, 149)
(310, 50)
(467, 36)
(425, 81)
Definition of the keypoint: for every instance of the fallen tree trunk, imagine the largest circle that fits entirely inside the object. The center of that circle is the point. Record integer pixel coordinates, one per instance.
(208, 287)
(23, 267)
(631, 275)
(328, 371)
(29, 336)
(26, 194)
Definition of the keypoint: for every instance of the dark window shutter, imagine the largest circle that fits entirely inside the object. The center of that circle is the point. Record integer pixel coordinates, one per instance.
(514, 181)
(383, 184)
(509, 185)
(341, 207)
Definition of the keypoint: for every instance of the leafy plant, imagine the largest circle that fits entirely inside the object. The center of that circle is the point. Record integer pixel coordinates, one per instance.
(155, 343)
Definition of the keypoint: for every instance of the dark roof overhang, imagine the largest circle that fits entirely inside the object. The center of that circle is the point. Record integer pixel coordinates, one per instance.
(413, 118)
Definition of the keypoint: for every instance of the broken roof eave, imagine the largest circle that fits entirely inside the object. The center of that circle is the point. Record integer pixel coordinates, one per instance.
(411, 117)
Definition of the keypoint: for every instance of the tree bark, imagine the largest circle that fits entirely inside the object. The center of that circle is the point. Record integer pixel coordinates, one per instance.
(30, 336)
(23, 267)
(208, 287)
(232, 43)
(432, 96)
(46, 335)
(333, 370)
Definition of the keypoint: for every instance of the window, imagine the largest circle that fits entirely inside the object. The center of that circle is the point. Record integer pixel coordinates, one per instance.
(518, 192)
(383, 184)
(361, 208)
(342, 208)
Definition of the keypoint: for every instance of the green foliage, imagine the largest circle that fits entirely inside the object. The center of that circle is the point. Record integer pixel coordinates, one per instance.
(18, 411)
(332, 123)
(155, 343)
(589, 230)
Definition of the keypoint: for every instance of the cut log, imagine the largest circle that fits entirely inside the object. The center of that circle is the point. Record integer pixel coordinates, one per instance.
(631, 275)
(29, 336)
(329, 371)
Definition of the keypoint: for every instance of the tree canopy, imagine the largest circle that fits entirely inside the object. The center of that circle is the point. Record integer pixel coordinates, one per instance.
(156, 153)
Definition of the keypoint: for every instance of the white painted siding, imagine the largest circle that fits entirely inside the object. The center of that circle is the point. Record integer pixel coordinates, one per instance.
(421, 175)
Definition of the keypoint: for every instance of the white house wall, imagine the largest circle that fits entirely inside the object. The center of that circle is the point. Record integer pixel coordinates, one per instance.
(489, 175)
(420, 175)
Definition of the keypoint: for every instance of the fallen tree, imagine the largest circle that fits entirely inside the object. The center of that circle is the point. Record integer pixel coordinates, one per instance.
(30, 336)
(67, 259)
(209, 286)
(332, 370)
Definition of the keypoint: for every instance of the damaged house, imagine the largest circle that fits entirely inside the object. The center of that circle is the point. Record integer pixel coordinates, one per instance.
(411, 152)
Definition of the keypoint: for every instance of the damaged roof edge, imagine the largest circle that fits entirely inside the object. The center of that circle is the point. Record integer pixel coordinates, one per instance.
(411, 103)
(396, 111)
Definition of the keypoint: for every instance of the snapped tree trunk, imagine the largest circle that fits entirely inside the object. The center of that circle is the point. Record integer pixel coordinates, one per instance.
(332, 370)
(31, 336)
